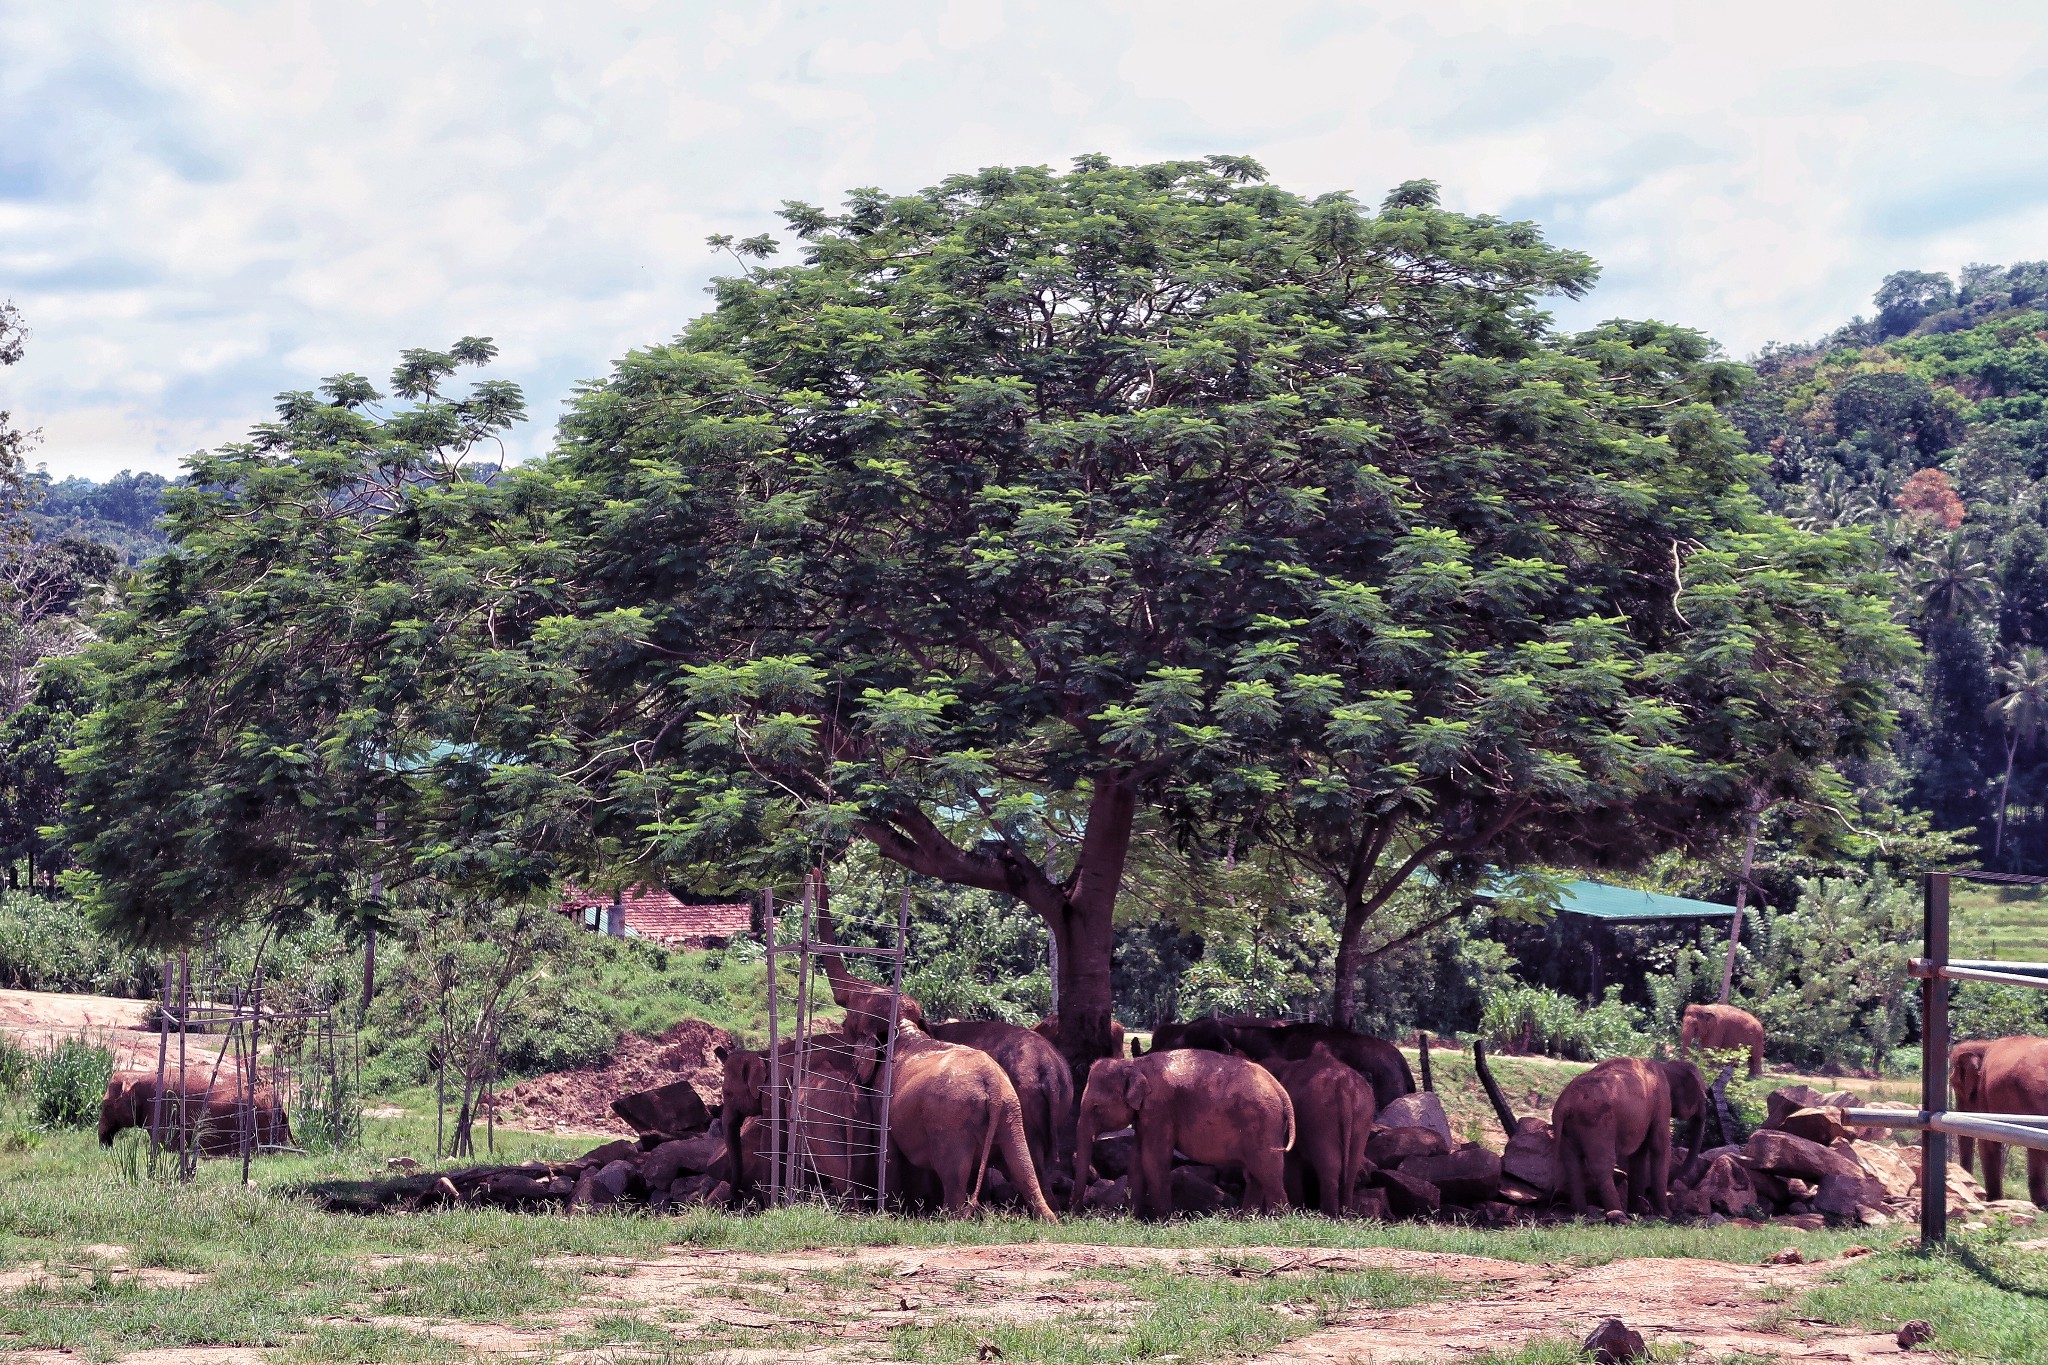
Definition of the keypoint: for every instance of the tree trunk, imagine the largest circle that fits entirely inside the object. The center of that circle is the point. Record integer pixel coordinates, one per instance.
(1343, 997)
(1083, 924)
(2012, 750)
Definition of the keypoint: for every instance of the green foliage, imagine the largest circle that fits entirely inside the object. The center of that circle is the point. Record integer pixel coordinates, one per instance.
(1977, 1010)
(17, 1065)
(1532, 1019)
(69, 1081)
(47, 945)
(1828, 978)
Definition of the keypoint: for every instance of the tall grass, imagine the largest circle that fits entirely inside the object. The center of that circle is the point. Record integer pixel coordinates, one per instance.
(69, 1081)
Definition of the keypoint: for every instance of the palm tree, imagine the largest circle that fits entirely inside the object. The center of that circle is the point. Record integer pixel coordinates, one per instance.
(2023, 710)
(1953, 581)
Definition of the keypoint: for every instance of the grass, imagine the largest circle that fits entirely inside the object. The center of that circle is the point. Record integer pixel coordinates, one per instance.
(1985, 1298)
(1991, 921)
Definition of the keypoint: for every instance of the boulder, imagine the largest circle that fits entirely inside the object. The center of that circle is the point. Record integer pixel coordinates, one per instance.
(1841, 1099)
(1389, 1147)
(1420, 1110)
(1887, 1166)
(1531, 1157)
(1194, 1192)
(678, 1157)
(674, 1109)
(1689, 1204)
(1847, 1196)
(514, 1189)
(1371, 1202)
(1517, 1193)
(1726, 1187)
(1113, 1155)
(1815, 1125)
(1789, 1100)
(2018, 1212)
(618, 1177)
(624, 1149)
(1772, 1190)
(1491, 1213)
(589, 1194)
(1108, 1196)
(1408, 1196)
(1615, 1343)
(1783, 1154)
(1468, 1176)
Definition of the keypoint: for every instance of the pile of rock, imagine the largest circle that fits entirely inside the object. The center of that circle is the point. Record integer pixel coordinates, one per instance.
(679, 1158)
(1808, 1161)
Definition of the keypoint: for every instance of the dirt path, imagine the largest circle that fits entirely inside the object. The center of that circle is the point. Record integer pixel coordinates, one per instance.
(1717, 1308)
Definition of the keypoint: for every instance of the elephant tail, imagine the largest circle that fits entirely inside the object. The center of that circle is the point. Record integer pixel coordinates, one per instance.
(1288, 1145)
(1006, 1132)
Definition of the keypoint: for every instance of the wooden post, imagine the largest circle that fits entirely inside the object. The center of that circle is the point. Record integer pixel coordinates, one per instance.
(889, 1055)
(1934, 1064)
(774, 1066)
(1741, 900)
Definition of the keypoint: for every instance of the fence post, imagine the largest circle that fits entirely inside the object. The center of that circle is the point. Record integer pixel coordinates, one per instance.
(1934, 1063)
(774, 1069)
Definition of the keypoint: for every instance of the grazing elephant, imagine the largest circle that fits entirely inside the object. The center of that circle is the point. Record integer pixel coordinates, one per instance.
(830, 1123)
(216, 1115)
(951, 1108)
(2002, 1076)
(1719, 1028)
(1333, 1113)
(1380, 1062)
(1044, 1084)
(1216, 1109)
(1619, 1114)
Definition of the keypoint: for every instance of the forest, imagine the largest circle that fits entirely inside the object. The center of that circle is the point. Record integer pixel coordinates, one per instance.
(1863, 514)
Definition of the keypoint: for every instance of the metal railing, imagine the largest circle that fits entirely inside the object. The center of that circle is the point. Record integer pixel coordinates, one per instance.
(1934, 1120)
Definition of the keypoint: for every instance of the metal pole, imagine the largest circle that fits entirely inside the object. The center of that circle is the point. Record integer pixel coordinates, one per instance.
(792, 1178)
(163, 1052)
(774, 1066)
(1934, 1065)
(889, 1055)
(1741, 900)
(249, 1135)
(184, 1018)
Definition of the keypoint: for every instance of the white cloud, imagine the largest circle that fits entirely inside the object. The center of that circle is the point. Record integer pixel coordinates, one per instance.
(203, 203)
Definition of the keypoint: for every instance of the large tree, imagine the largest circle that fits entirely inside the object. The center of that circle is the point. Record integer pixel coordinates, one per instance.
(1035, 506)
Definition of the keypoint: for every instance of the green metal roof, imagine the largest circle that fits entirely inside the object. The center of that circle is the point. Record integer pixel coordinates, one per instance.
(1624, 904)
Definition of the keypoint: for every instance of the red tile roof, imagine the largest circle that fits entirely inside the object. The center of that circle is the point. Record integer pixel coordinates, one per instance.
(653, 913)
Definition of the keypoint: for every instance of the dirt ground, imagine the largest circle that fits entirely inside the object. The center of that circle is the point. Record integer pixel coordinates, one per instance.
(578, 1102)
(41, 1019)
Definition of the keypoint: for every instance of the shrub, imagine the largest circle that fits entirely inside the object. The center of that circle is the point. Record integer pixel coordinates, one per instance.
(69, 1082)
(1533, 1019)
(17, 1064)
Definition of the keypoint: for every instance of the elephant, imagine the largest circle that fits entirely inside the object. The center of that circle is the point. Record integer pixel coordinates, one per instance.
(831, 1124)
(1044, 1084)
(1380, 1062)
(1216, 1109)
(1723, 1027)
(1619, 1114)
(216, 1113)
(1048, 1028)
(1333, 1114)
(2002, 1076)
(951, 1107)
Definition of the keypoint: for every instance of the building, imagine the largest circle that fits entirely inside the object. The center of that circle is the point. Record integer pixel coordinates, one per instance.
(657, 915)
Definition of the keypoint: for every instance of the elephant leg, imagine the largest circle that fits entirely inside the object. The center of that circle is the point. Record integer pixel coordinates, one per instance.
(1330, 1180)
(1994, 1169)
(2037, 1177)
(1756, 1060)
(1571, 1160)
(1296, 1173)
(1599, 1171)
(1265, 1187)
(1966, 1153)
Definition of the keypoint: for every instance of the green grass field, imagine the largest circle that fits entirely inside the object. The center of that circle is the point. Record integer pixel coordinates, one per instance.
(1989, 921)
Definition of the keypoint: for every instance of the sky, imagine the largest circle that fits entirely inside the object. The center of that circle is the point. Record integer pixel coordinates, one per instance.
(204, 204)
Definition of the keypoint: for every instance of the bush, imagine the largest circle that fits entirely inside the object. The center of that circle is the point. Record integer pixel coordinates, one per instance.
(69, 1082)
(1984, 1011)
(46, 946)
(1532, 1019)
(17, 1064)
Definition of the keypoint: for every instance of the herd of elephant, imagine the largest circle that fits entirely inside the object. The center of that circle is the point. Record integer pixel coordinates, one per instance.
(1287, 1107)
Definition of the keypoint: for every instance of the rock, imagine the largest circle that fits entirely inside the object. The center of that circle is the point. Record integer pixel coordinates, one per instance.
(1783, 1154)
(398, 1163)
(1815, 1125)
(1613, 1343)
(1517, 1193)
(1194, 1192)
(513, 1189)
(1113, 1155)
(1491, 1213)
(588, 1194)
(1846, 1196)
(1851, 1253)
(1841, 1099)
(2019, 1212)
(1371, 1202)
(617, 1177)
(1389, 1147)
(1789, 1256)
(1888, 1167)
(1771, 1191)
(1531, 1157)
(1408, 1196)
(1689, 1204)
(1468, 1176)
(1918, 1332)
(1108, 1196)
(1726, 1187)
(1789, 1100)
(682, 1156)
(674, 1109)
(1420, 1110)
(624, 1149)
(1734, 1150)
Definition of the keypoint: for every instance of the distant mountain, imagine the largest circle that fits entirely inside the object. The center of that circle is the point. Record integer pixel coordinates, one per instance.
(125, 512)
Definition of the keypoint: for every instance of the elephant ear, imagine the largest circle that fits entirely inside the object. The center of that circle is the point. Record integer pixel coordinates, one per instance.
(866, 1057)
(719, 1052)
(1135, 1088)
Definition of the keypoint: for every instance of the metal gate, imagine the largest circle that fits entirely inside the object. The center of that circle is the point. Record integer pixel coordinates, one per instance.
(1934, 1119)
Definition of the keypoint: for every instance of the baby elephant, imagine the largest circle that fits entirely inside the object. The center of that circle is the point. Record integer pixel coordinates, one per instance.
(216, 1115)
(1218, 1110)
(1619, 1115)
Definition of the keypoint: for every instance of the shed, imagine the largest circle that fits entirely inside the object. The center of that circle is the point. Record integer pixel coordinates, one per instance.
(656, 914)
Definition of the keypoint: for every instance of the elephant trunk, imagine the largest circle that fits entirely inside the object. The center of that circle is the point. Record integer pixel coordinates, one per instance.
(1084, 1162)
(1493, 1091)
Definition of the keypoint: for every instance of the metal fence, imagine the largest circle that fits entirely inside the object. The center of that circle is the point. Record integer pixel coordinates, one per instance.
(1935, 1121)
